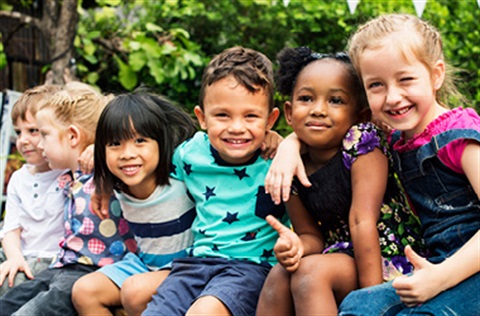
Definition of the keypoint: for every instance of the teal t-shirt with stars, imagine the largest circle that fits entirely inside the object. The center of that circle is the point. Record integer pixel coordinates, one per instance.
(231, 203)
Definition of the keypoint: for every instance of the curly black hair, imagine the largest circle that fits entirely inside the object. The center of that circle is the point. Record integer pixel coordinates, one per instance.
(293, 60)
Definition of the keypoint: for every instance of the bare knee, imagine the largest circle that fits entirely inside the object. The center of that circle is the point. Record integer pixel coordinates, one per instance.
(277, 284)
(276, 298)
(305, 278)
(208, 305)
(83, 293)
(133, 300)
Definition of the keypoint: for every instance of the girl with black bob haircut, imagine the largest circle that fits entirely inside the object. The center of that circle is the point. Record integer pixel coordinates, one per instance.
(136, 136)
(149, 115)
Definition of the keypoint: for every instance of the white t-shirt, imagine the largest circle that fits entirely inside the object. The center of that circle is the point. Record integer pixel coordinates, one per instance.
(35, 203)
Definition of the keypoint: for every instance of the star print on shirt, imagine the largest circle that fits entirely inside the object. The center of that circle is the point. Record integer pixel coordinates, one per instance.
(230, 218)
(242, 173)
(249, 236)
(209, 193)
(267, 253)
(173, 169)
(188, 168)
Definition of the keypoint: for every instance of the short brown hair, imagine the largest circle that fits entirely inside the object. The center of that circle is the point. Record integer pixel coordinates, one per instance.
(251, 69)
(31, 100)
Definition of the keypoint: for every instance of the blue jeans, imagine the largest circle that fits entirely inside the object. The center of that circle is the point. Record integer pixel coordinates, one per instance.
(461, 300)
(36, 265)
(48, 294)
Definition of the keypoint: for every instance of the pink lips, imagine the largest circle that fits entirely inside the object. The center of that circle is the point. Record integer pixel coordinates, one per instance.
(317, 124)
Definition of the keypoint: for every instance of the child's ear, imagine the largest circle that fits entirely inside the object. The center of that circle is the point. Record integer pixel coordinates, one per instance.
(287, 111)
(200, 117)
(272, 117)
(74, 135)
(438, 74)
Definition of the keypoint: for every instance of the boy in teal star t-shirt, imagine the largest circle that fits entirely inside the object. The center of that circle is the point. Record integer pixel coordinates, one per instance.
(223, 171)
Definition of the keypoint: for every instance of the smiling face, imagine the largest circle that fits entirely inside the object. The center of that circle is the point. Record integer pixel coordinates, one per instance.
(28, 138)
(134, 162)
(323, 106)
(400, 89)
(235, 119)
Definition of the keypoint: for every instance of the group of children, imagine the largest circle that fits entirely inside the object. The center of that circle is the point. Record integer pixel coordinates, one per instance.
(178, 222)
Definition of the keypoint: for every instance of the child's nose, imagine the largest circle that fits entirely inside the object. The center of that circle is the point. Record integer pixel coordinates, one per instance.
(394, 95)
(319, 108)
(22, 138)
(128, 152)
(237, 126)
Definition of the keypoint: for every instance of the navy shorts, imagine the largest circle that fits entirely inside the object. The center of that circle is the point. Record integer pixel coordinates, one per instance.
(236, 283)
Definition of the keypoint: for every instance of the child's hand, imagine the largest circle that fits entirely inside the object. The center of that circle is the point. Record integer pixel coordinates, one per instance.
(11, 267)
(289, 247)
(270, 144)
(85, 161)
(423, 285)
(100, 204)
(285, 165)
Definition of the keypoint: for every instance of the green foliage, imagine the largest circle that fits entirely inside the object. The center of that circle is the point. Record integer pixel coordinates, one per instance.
(3, 56)
(121, 47)
(167, 43)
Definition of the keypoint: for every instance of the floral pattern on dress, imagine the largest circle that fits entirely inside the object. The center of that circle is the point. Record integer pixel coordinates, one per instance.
(398, 226)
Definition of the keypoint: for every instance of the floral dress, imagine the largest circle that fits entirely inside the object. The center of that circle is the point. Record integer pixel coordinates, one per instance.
(330, 196)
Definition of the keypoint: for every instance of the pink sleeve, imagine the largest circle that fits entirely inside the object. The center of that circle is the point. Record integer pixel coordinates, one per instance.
(451, 155)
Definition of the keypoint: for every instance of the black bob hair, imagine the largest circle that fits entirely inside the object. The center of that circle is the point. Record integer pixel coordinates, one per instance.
(146, 114)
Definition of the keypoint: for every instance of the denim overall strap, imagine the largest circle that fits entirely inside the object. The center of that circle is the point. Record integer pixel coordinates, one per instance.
(447, 205)
(441, 140)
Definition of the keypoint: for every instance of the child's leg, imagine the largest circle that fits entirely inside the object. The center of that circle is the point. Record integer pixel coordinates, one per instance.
(94, 294)
(36, 265)
(208, 303)
(23, 293)
(57, 298)
(138, 290)
(321, 282)
(276, 298)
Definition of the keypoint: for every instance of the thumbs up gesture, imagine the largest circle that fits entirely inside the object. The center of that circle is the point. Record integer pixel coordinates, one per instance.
(288, 248)
(422, 285)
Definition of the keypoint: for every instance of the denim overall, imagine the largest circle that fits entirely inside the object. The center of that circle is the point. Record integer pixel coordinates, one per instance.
(449, 211)
(448, 208)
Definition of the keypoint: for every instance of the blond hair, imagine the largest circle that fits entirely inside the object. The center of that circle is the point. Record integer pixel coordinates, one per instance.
(31, 100)
(423, 40)
(77, 104)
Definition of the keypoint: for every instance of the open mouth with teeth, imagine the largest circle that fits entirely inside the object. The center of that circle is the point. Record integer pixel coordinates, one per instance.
(129, 170)
(237, 141)
(401, 111)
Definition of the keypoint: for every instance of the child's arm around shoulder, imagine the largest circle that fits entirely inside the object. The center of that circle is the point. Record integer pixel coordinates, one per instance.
(286, 164)
(429, 279)
(270, 144)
